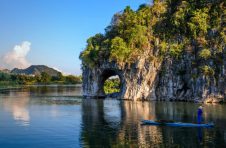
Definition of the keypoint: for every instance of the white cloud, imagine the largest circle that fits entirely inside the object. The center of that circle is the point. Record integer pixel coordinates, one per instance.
(16, 58)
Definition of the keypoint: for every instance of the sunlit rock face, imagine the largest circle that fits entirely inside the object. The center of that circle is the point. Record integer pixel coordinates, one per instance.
(137, 80)
(168, 79)
(94, 78)
(182, 80)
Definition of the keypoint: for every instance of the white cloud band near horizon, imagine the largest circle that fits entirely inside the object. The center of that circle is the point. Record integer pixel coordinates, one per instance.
(17, 57)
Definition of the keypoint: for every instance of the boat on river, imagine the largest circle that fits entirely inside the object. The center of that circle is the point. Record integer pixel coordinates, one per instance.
(176, 124)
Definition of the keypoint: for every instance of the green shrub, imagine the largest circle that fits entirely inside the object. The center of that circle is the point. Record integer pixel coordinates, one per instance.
(207, 70)
(112, 86)
(198, 23)
(163, 29)
(205, 54)
(176, 50)
(119, 50)
(163, 48)
(70, 79)
(4, 76)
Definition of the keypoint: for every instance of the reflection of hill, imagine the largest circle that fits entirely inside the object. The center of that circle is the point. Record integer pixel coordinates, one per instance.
(47, 90)
(112, 113)
(133, 131)
(96, 131)
(187, 112)
(55, 90)
(113, 123)
(117, 124)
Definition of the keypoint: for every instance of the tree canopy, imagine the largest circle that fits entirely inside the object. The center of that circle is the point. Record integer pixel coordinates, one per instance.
(44, 78)
(168, 28)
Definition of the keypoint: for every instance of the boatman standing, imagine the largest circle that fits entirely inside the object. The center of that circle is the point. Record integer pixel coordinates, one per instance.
(200, 114)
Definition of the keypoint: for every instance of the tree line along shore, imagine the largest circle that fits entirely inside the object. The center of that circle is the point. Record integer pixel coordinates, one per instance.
(8, 80)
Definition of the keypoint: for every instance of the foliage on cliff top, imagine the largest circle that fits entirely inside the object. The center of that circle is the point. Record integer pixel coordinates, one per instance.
(168, 28)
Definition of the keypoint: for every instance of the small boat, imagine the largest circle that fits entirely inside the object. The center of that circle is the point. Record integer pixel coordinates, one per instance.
(176, 124)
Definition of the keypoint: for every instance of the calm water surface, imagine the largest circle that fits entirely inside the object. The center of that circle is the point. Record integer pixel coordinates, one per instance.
(56, 117)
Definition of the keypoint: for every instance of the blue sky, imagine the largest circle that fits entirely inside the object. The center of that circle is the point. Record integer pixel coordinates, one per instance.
(54, 32)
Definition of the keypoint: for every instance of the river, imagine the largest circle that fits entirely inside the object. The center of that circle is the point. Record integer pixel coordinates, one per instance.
(58, 117)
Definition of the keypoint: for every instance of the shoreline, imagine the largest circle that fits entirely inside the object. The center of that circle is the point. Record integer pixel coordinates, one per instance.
(187, 101)
(97, 98)
(36, 85)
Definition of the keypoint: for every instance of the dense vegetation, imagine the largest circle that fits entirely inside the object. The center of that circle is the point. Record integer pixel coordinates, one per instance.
(7, 79)
(169, 28)
(112, 86)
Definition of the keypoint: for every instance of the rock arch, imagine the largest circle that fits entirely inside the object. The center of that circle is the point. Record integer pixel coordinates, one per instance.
(107, 73)
(93, 81)
(136, 80)
(146, 79)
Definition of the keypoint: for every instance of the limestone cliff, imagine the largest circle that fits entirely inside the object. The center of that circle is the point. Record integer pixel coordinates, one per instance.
(151, 80)
(173, 50)
(137, 81)
(181, 80)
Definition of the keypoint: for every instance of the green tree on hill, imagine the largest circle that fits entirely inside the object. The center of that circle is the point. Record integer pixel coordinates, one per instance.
(45, 78)
(167, 29)
(4, 77)
(73, 80)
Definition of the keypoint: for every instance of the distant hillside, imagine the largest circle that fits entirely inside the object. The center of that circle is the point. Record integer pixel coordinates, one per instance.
(4, 70)
(35, 70)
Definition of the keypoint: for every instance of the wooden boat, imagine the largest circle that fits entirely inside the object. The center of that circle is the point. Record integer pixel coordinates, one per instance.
(176, 124)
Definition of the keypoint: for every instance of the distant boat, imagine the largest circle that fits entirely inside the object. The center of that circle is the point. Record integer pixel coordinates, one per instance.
(176, 124)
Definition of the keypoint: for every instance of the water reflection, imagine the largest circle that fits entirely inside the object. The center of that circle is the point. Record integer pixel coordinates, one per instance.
(55, 90)
(134, 112)
(117, 124)
(17, 101)
(96, 130)
(17, 104)
(45, 90)
(35, 117)
(57, 118)
(112, 113)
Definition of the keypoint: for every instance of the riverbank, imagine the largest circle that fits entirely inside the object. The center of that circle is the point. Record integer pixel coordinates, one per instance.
(208, 101)
(8, 87)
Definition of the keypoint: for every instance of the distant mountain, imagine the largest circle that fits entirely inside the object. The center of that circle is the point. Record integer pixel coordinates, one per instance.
(35, 70)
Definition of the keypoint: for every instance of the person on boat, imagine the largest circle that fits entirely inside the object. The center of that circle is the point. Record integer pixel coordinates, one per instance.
(199, 112)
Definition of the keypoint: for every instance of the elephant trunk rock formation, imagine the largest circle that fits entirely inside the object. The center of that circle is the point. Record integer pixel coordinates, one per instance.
(153, 80)
(171, 50)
